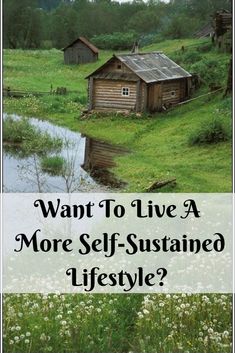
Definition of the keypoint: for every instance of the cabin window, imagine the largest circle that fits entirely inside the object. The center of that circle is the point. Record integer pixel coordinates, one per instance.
(173, 93)
(125, 91)
(119, 66)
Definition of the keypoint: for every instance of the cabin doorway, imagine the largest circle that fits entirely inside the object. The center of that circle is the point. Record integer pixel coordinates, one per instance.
(155, 97)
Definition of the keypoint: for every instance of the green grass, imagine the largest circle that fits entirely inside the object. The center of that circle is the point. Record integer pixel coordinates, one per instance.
(53, 165)
(158, 144)
(25, 139)
(163, 323)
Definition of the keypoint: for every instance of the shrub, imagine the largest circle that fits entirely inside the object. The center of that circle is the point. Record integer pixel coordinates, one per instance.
(210, 70)
(209, 132)
(53, 165)
(115, 41)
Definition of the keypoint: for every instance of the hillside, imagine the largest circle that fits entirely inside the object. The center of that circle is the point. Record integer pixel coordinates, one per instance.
(159, 145)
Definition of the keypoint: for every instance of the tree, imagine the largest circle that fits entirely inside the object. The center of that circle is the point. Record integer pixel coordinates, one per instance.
(21, 24)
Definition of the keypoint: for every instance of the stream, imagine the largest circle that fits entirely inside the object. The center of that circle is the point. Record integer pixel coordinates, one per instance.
(25, 175)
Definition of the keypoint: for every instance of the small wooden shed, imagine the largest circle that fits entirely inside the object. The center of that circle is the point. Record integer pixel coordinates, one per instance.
(138, 82)
(80, 51)
(222, 22)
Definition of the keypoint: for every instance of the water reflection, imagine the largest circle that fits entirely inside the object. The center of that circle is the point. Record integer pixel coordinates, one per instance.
(23, 174)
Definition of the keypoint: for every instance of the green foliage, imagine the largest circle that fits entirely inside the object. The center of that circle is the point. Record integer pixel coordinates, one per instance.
(22, 24)
(115, 41)
(210, 69)
(117, 323)
(27, 139)
(29, 23)
(53, 165)
(214, 130)
(205, 48)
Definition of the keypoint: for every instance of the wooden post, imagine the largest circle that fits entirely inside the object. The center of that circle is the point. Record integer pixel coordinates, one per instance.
(229, 79)
(138, 96)
(90, 93)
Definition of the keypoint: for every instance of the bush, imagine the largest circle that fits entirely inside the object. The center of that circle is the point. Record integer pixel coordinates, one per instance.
(53, 165)
(209, 132)
(211, 71)
(115, 41)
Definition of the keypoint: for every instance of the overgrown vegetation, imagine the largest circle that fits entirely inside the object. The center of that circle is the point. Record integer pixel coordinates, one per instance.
(53, 165)
(27, 138)
(211, 131)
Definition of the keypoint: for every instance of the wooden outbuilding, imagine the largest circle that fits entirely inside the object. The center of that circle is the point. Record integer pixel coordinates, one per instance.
(80, 51)
(222, 23)
(138, 82)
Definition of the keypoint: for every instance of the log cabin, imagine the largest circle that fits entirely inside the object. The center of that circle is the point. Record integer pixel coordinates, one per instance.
(80, 51)
(138, 82)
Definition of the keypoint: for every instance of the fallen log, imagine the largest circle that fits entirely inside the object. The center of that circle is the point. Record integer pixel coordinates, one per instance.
(160, 184)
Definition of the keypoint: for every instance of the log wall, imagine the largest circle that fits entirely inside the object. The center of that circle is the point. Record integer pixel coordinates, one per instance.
(107, 95)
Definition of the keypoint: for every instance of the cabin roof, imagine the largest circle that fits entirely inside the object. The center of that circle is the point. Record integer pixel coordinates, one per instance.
(150, 67)
(84, 41)
(116, 76)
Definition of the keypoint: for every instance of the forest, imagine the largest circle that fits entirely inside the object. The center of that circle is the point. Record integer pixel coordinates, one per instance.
(46, 24)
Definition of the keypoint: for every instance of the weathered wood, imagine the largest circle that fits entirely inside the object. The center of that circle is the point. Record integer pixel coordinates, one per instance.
(138, 96)
(160, 184)
(80, 52)
(229, 79)
(91, 80)
(145, 93)
(108, 94)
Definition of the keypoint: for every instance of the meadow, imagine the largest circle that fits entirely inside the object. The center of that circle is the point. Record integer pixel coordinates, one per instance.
(160, 148)
(159, 144)
(162, 323)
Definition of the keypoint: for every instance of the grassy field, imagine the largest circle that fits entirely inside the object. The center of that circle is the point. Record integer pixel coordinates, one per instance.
(159, 145)
(160, 148)
(118, 323)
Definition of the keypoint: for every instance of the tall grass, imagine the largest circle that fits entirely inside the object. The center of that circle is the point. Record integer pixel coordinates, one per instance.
(28, 139)
(163, 323)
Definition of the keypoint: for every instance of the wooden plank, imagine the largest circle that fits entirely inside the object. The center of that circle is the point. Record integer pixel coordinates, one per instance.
(90, 93)
(138, 96)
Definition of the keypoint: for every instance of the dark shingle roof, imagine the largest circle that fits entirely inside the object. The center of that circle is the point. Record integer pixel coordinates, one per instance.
(152, 67)
(84, 41)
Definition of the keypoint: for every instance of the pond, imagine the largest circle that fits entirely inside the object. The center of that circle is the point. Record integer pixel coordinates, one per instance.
(24, 173)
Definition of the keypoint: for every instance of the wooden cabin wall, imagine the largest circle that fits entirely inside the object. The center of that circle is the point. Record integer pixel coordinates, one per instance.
(79, 53)
(167, 93)
(154, 97)
(107, 95)
(174, 92)
(116, 66)
(143, 97)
